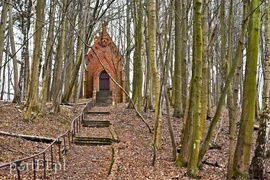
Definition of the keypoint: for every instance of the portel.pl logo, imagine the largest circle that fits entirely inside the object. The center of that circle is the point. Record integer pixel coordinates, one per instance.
(38, 165)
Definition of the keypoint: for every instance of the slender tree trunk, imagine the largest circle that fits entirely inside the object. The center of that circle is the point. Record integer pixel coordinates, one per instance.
(48, 58)
(3, 22)
(69, 77)
(4, 70)
(57, 84)
(152, 59)
(128, 52)
(243, 146)
(257, 168)
(168, 57)
(138, 56)
(148, 97)
(32, 107)
(216, 117)
(25, 75)
(70, 82)
(205, 81)
(223, 44)
(196, 93)
(184, 35)
(177, 68)
(16, 97)
(83, 34)
(231, 105)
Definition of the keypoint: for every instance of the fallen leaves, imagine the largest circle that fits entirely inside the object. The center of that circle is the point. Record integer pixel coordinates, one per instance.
(132, 155)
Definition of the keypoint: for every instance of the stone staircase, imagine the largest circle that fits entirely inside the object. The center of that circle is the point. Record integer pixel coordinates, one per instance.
(96, 128)
(104, 98)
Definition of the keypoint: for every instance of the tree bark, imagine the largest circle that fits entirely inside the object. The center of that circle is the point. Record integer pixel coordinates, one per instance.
(57, 84)
(196, 93)
(3, 22)
(231, 104)
(257, 168)
(152, 60)
(16, 98)
(210, 132)
(32, 107)
(137, 70)
(205, 81)
(48, 58)
(128, 52)
(178, 108)
(184, 31)
(243, 146)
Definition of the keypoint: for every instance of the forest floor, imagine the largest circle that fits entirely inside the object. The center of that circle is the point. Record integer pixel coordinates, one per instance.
(130, 158)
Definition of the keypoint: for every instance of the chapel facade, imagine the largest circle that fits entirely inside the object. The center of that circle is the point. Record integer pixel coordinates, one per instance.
(104, 63)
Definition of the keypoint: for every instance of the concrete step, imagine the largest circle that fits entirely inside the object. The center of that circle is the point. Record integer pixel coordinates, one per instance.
(96, 124)
(93, 141)
(104, 93)
(104, 97)
(98, 112)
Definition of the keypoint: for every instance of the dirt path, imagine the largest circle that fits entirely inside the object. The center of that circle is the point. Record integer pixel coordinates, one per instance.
(131, 156)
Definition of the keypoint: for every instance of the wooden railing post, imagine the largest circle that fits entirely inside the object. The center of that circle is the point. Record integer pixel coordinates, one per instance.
(52, 157)
(44, 164)
(18, 170)
(34, 168)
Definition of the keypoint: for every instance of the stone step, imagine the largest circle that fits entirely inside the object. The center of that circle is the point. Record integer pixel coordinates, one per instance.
(93, 141)
(104, 93)
(96, 124)
(98, 112)
(103, 98)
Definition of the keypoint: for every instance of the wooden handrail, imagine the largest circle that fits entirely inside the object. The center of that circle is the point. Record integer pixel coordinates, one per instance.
(73, 130)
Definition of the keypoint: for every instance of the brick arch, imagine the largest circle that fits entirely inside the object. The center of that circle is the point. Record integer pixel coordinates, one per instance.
(99, 70)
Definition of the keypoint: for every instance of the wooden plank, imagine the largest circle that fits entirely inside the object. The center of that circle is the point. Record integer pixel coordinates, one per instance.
(98, 112)
(97, 124)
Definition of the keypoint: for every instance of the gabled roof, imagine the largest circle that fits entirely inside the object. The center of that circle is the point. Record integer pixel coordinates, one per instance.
(106, 50)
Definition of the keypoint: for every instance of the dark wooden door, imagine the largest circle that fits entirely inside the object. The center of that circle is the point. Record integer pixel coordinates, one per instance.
(104, 81)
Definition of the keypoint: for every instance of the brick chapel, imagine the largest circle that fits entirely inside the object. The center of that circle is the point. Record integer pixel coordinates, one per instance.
(98, 79)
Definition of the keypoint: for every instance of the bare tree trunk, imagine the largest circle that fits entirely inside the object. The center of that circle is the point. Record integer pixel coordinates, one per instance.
(243, 146)
(184, 35)
(48, 58)
(148, 96)
(4, 72)
(196, 91)
(57, 84)
(152, 59)
(258, 166)
(137, 70)
(2, 31)
(71, 73)
(25, 71)
(83, 34)
(128, 52)
(205, 79)
(178, 108)
(16, 97)
(215, 119)
(32, 107)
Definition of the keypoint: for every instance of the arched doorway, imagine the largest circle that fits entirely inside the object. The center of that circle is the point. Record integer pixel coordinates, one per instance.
(104, 81)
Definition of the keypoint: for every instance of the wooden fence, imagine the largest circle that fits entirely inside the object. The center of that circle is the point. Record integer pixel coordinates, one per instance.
(46, 160)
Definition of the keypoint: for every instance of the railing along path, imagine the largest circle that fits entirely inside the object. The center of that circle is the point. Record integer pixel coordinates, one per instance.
(39, 162)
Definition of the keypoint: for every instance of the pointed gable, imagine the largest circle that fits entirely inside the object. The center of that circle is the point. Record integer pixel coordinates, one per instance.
(104, 50)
